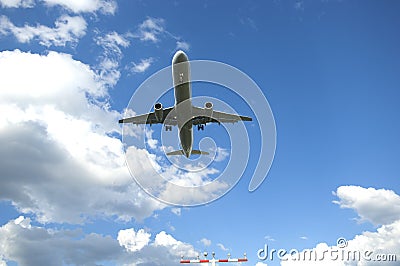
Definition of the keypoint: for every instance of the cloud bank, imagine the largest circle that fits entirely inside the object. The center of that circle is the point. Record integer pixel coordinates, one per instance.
(378, 206)
(26, 244)
(61, 162)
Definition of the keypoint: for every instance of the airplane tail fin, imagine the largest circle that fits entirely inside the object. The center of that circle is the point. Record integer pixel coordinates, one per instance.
(180, 152)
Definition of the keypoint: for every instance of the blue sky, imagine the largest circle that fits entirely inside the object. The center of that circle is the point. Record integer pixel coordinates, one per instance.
(330, 72)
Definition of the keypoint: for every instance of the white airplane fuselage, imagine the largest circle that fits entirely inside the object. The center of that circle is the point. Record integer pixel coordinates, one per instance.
(183, 114)
(183, 102)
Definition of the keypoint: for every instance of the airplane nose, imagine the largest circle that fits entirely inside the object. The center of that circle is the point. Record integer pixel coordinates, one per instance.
(187, 153)
(179, 57)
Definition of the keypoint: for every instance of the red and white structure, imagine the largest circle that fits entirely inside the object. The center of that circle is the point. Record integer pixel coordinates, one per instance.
(213, 261)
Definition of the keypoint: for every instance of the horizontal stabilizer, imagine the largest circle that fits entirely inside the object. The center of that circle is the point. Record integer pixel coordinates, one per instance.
(180, 152)
(199, 152)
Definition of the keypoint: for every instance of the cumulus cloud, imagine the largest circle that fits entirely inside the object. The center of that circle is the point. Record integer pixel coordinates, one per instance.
(206, 242)
(170, 183)
(16, 4)
(33, 245)
(133, 241)
(67, 30)
(60, 161)
(27, 244)
(142, 66)
(378, 206)
(174, 246)
(163, 250)
(81, 6)
(369, 203)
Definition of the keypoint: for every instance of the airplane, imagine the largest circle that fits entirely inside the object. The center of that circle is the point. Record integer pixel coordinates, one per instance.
(183, 114)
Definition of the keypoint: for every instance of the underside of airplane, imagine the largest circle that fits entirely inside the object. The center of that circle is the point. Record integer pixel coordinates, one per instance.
(183, 114)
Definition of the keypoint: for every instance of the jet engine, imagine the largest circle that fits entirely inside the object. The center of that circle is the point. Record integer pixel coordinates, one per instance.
(158, 111)
(208, 108)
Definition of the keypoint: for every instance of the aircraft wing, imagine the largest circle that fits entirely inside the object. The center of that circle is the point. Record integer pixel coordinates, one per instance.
(150, 118)
(204, 116)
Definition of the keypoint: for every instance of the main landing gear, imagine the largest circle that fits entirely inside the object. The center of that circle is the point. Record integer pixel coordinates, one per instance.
(200, 127)
(168, 128)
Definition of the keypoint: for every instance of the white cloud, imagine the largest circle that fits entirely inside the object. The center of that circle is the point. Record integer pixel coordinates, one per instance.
(67, 30)
(17, 3)
(151, 29)
(303, 237)
(111, 43)
(76, 6)
(222, 247)
(379, 206)
(23, 222)
(33, 245)
(81, 6)
(174, 246)
(163, 250)
(222, 154)
(385, 240)
(142, 66)
(133, 241)
(206, 242)
(187, 187)
(59, 161)
(181, 45)
(176, 211)
(151, 142)
(269, 238)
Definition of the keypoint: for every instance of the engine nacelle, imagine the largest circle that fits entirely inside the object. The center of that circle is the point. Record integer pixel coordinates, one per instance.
(159, 112)
(208, 109)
